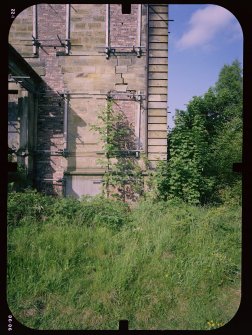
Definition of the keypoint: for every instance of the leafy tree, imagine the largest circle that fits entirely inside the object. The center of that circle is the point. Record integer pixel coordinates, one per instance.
(226, 147)
(206, 141)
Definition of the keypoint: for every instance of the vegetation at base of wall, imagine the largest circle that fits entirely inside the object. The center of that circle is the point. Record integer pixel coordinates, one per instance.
(170, 261)
(32, 206)
(123, 177)
(19, 180)
(86, 264)
(202, 147)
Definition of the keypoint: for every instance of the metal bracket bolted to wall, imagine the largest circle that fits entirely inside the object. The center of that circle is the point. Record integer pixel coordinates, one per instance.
(62, 43)
(67, 46)
(65, 153)
(138, 51)
(112, 50)
(138, 97)
(35, 42)
(62, 152)
(107, 52)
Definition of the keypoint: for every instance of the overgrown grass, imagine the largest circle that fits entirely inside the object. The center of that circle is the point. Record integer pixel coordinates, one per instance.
(88, 264)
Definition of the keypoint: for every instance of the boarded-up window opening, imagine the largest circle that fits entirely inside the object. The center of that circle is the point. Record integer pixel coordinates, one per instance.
(123, 30)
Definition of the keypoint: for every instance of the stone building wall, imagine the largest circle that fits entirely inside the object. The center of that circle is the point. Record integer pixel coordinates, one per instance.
(123, 25)
(20, 34)
(23, 86)
(83, 78)
(49, 161)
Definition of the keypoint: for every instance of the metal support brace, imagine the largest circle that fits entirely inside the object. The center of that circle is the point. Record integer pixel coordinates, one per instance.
(108, 52)
(139, 29)
(67, 43)
(35, 30)
(35, 42)
(138, 51)
(138, 98)
(66, 108)
(107, 49)
(112, 49)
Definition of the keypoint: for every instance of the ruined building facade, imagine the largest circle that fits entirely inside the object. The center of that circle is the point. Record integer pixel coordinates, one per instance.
(65, 61)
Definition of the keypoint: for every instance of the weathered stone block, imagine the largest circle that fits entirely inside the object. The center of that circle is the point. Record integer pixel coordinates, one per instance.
(124, 61)
(161, 126)
(22, 35)
(158, 75)
(118, 78)
(99, 18)
(157, 104)
(163, 8)
(88, 69)
(157, 119)
(156, 60)
(158, 16)
(79, 26)
(71, 69)
(158, 68)
(157, 83)
(157, 112)
(121, 69)
(158, 24)
(158, 31)
(157, 90)
(158, 149)
(40, 70)
(158, 38)
(94, 25)
(157, 141)
(158, 53)
(157, 97)
(158, 46)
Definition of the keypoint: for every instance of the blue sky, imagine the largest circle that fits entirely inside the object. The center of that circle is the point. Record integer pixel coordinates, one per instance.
(202, 39)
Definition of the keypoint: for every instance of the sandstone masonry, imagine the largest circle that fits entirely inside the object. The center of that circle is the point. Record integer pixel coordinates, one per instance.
(83, 54)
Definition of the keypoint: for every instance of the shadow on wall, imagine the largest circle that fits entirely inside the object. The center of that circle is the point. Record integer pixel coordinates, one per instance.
(20, 131)
(74, 140)
(13, 124)
(49, 163)
(53, 150)
(46, 162)
(53, 156)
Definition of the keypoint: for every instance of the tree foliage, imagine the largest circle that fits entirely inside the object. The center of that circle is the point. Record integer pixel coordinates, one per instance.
(206, 141)
(202, 147)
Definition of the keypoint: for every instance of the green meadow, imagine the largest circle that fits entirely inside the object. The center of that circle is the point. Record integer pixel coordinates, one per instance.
(88, 264)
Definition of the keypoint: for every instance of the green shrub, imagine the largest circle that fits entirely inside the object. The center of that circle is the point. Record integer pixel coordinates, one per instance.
(232, 195)
(67, 208)
(19, 181)
(101, 211)
(29, 203)
(31, 206)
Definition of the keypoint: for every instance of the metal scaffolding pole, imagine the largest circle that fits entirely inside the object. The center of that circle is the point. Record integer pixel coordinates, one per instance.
(35, 28)
(67, 45)
(107, 50)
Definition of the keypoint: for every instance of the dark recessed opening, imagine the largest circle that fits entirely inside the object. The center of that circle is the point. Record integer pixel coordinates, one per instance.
(12, 167)
(126, 8)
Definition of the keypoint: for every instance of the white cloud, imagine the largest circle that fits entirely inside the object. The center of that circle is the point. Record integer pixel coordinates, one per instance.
(204, 24)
